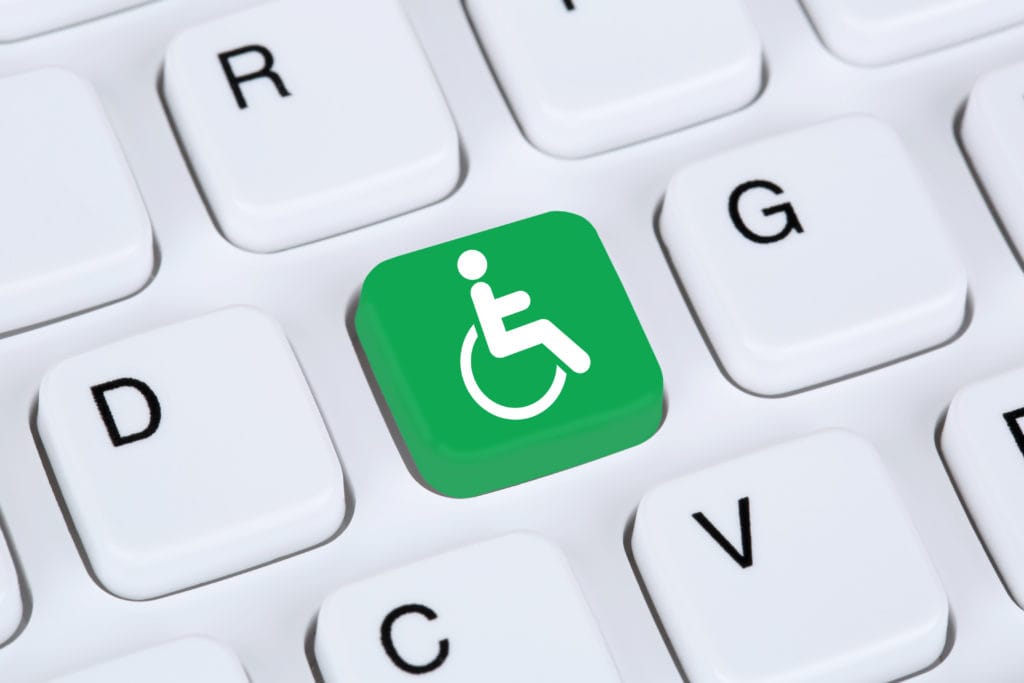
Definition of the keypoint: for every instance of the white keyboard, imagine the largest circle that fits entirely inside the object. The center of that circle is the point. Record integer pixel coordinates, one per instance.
(741, 397)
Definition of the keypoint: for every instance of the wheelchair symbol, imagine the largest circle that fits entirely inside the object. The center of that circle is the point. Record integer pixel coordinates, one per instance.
(493, 407)
(503, 342)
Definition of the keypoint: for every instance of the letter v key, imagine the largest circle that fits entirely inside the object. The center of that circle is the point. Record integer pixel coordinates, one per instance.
(744, 559)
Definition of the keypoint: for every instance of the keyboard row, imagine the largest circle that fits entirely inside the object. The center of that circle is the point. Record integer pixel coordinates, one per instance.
(862, 32)
(794, 563)
(737, 560)
(865, 32)
(284, 159)
(782, 270)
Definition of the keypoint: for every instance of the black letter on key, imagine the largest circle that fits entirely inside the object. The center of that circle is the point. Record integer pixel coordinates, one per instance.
(389, 644)
(569, 5)
(792, 222)
(266, 71)
(744, 559)
(1013, 422)
(116, 437)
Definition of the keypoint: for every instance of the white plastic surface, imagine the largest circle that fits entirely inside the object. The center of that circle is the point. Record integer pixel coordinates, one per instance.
(606, 73)
(831, 583)
(75, 233)
(238, 472)
(993, 135)
(355, 130)
(10, 594)
(265, 615)
(504, 611)
(873, 32)
(23, 18)
(987, 464)
(861, 271)
(191, 660)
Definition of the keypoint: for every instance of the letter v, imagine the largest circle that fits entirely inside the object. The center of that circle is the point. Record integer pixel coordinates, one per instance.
(744, 559)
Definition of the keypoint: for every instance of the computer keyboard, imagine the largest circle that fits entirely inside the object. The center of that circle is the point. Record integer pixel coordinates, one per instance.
(543, 340)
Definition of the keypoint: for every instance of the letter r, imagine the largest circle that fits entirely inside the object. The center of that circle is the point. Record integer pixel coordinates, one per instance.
(265, 71)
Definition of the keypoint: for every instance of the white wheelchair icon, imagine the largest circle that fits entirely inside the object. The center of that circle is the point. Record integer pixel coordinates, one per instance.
(503, 342)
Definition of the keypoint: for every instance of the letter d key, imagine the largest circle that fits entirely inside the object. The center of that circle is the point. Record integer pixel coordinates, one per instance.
(230, 468)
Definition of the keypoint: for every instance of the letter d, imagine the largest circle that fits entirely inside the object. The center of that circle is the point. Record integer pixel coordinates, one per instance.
(99, 393)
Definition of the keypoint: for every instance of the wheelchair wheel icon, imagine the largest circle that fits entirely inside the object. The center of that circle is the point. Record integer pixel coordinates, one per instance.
(493, 407)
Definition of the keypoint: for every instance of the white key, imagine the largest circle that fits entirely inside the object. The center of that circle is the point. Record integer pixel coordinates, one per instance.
(190, 453)
(797, 563)
(23, 18)
(813, 255)
(76, 233)
(983, 444)
(10, 594)
(194, 659)
(585, 76)
(993, 136)
(307, 118)
(502, 611)
(872, 32)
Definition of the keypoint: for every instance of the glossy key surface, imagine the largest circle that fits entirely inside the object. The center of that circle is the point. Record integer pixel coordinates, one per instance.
(190, 453)
(591, 75)
(194, 659)
(503, 610)
(306, 119)
(21, 19)
(11, 604)
(813, 255)
(797, 563)
(76, 231)
(873, 32)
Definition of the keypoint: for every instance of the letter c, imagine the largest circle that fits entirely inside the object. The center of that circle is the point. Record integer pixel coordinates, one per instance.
(389, 645)
(792, 221)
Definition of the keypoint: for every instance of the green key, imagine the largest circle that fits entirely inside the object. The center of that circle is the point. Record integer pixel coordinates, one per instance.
(509, 355)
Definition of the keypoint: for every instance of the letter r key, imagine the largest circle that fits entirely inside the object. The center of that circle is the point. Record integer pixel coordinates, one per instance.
(293, 136)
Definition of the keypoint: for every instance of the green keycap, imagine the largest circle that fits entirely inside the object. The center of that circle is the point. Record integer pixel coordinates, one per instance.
(509, 355)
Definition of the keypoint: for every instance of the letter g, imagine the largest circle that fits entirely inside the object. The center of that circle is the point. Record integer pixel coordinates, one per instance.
(792, 221)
